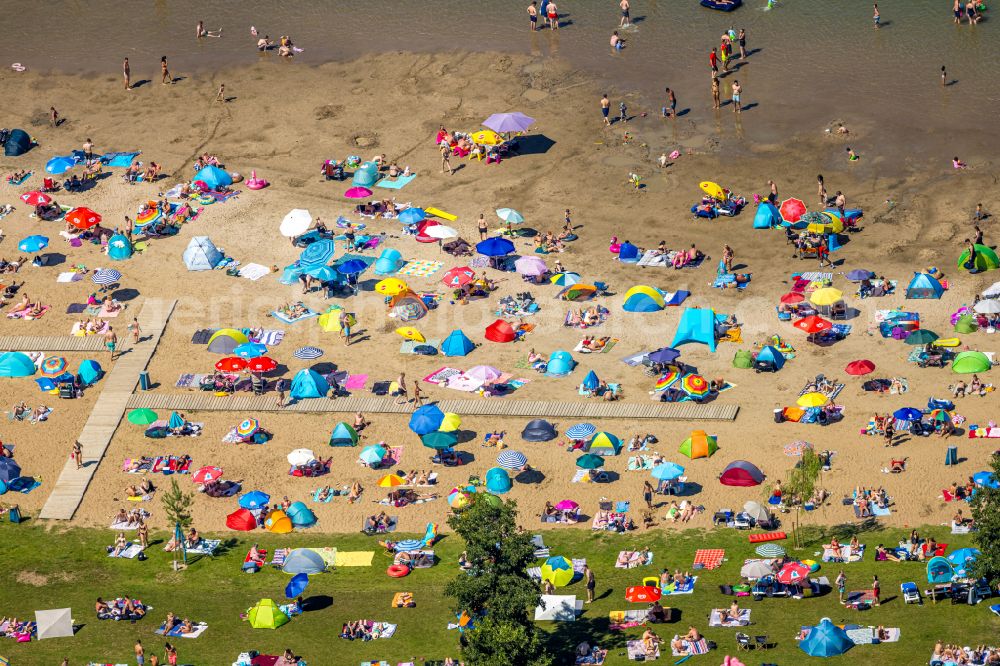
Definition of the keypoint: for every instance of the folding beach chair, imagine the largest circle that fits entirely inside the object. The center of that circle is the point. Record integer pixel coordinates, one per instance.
(911, 595)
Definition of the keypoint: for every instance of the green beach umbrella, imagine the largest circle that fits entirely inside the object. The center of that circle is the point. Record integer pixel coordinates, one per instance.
(439, 440)
(590, 461)
(142, 416)
(968, 362)
(921, 336)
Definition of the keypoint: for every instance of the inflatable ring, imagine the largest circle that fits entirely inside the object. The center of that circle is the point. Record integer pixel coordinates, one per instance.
(812, 564)
(18, 67)
(397, 570)
(205, 200)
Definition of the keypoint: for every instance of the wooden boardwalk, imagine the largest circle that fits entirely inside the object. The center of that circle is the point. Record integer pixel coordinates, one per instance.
(116, 390)
(251, 404)
(52, 343)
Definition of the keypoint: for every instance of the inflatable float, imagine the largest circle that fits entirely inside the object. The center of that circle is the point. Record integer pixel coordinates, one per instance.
(255, 183)
(397, 570)
(722, 5)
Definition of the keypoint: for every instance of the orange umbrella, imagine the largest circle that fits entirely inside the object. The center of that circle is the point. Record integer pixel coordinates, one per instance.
(83, 218)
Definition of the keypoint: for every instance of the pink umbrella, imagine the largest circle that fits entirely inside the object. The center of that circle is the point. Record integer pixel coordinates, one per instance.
(206, 474)
(36, 198)
(793, 573)
(530, 266)
(358, 193)
(567, 505)
(485, 373)
(792, 209)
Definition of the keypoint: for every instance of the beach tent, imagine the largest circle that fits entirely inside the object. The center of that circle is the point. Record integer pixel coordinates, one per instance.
(90, 372)
(308, 384)
(560, 363)
(605, 444)
(304, 560)
(343, 435)
(771, 359)
(500, 331)
(986, 259)
(968, 362)
(743, 359)
(590, 382)
(577, 292)
(266, 615)
(301, 515)
(767, 216)
(457, 344)
(55, 623)
(213, 177)
(539, 430)
(225, 340)
(278, 522)
(826, 640)
(939, 571)
(407, 306)
(16, 364)
(388, 262)
(241, 520)
(924, 286)
(966, 324)
(697, 325)
(201, 254)
(741, 473)
(119, 248)
(18, 143)
(426, 419)
(699, 445)
(628, 253)
(329, 321)
(365, 175)
(498, 481)
(641, 298)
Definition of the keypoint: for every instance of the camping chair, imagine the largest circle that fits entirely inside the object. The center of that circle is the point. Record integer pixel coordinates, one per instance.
(49, 185)
(743, 642)
(761, 642)
(911, 595)
(839, 310)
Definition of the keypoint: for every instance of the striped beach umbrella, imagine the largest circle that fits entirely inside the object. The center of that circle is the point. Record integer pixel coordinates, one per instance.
(53, 365)
(105, 276)
(667, 379)
(510, 459)
(695, 386)
(565, 279)
(390, 481)
(770, 550)
(307, 353)
(581, 431)
(407, 545)
(248, 427)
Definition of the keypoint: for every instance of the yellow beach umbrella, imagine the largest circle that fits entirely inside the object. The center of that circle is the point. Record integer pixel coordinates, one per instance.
(411, 333)
(390, 481)
(836, 222)
(451, 422)
(486, 138)
(826, 296)
(812, 400)
(712, 189)
(391, 287)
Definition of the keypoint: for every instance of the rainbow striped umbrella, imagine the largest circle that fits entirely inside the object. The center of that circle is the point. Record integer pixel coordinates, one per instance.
(695, 386)
(53, 365)
(666, 379)
(248, 427)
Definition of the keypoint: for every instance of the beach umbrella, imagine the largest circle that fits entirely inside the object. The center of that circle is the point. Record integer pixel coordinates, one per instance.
(300, 457)
(175, 420)
(59, 165)
(390, 481)
(756, 511)
(297, 585)
(372, 455)
(509, 122)
(792, 298)
(770, 550)
(458, 276)
(318, 253)
(695, 386)
(484, 373)
(792, 209)
(511, 459)
(494, 247)
(667, 471)
(531, 266)
(510, 216)
(391, 287)
(262, 364)
(796, 448)
(426, 419)
(206, 474)
(813, 399)
(940, 415)
(756, 569)
(307, 353)
(860, 367)
(451, 422)
(558, 570)
(36, 198)
(642, 594)
(793, 573)
(106, 276)
(590, 461)
(664, 355)
(230, 364)
(567, 505)
(295, 223)
(412, 215)
(255, 499)
(908, 414)
(440, 232)
(581, 431)
(439, 440)
(985, 480)
(410, 333)
(321, 272)
(826, 296)
(565, 279)
(458, 499)
(250, 350)
(33, 244)
(486, 138)
(859, 274)
(813, 324)
(142, 416)
(921, 336)
(357, 193)
(713, 190)
(9, 471)
(352, 267)
(987, 307)
(53, 365)
(248, 427)
(962, 559)
(83, 218)
(664, 381)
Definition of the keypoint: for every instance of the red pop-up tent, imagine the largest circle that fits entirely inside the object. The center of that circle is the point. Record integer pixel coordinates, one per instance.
(741, 473)
(241, 520)
(500, 331)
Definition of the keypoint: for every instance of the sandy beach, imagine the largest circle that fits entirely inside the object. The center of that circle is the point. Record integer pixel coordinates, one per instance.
(284, 121)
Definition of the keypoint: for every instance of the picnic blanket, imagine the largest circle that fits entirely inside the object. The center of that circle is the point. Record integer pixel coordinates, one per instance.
(278, 559)
(420, 268)
(254, 272)
(716, 618)
(23, 313)
(652, 258)
(355, 382)
(328, 553)
(636, 650)
(699, 646)
(847, 554)
(635, 559)
(131, 551)
(280, 316)
(206, 547)
(197, 631)
(675, 589)
(397, 184)
(157, 465)
(709, 558)
(355, 558)
(831, 394)
(442, 375)
(641, 462)
(626, 619)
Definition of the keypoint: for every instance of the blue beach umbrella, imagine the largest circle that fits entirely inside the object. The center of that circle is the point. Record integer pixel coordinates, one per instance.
(319, 252)
(254, 499)
(373, 454)
(321, 272)
(511, 459)
(986, 480)
(962, 560)
(667, 471)
(664, 355)
(495, 247)
(510, 216)
(352, 267)
(581, 431)
(412, 215)
(297, 585)
(859, 274)
(59, 165)
(33, 244)
(175, 420)
(907, 414)
(250, 350)
(427, 419)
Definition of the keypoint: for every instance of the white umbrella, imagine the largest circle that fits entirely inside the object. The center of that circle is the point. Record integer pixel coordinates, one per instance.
(295, 223)
(987, 307)
(300, 457)
(440, 231)
(756, 511)
(510, 216)
(993, 291)
(756, 569)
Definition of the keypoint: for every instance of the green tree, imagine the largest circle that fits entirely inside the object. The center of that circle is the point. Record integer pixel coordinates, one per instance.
(801, 485)
(177, 505)
(497, 585)
(986, 513)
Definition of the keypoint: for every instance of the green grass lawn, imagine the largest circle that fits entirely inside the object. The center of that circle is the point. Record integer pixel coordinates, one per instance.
(58, 568)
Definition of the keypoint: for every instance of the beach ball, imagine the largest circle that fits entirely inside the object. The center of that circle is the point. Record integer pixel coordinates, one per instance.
(812, 564)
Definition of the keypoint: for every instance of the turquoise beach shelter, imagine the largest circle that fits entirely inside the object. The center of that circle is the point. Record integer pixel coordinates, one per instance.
(388, 262)
(214, 177)
(924, 286)
(308, 384)
(767, 216)
(119, 248)
(772, 357)
(697, 325)
(826, 640)
(939, 571)
(16, 364)
(498, 481)
(90, 371)
(560, 363)
(343, 435)
(301, 515)
(457, 344)
(366, 175)
(201, 254)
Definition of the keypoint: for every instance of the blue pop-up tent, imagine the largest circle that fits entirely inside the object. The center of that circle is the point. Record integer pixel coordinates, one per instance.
(388, 262)
(90, 371)
(924, 286)
(772, 357)
(498, 481)
(301, 515)
(304, 560)
(119, 248)
(214, 177)
(201, 254)
(308, 384)
(457, 344)
(590, 382)
(826, 640)
(696, 325)
(560, 363)
(16, 364)
(767, 216)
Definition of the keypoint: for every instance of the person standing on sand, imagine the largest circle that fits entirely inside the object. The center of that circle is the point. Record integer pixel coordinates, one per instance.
(742, 38)
(605, 108)
(773, 195)
(876, 17)
(445, 162)
(716, 98)
(418, 397)
(164, 72)
(713, 61)
(280, 388)
(737, 89)
(625, 18)
(110, 340)
(944, 76)
(483, 227)
(221, 97)
(401, 388)
(78, 454)
(821, 189)
(88, 149)
(127, 71)
(533, 15)
(670, 110)
(53, 116)
(647, 494)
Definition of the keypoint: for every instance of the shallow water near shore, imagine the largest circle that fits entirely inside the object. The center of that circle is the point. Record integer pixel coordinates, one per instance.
(810, 62)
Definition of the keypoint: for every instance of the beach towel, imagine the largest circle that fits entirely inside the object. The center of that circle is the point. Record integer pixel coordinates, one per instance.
(650, 258)
(359, 558)
(442, 375)
(23, 314)
(105, 313)
(846, 555)
(206, 547)
(699, 646)
(397, 184)
(197, 631)
(410, 346)
(278, 559)
(402, 600)
(355, 382)
(308, 314)
(254, 272)
(625, 619)
(328, 553)
(675, 589)
(635, 559)
(271, 337)
(709, 558)
(130, 551)
(76, 308)
(70, 276)
(420, 268)
(636, 650)
(11, 181)
(816, 276)
(880, 511)
(635, 359)
(716, 618)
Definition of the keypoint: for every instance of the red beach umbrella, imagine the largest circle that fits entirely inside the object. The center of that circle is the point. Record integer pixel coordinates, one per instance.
(642, 594)
(83, 218)
(813, 324)
(459, 276)
(791, 298)
(793, 573)
(860, 367)
(261, 364)
(206, 474)
(231, 364)
(792, 209)
(36, 198)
